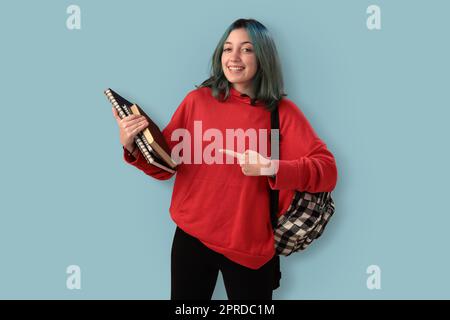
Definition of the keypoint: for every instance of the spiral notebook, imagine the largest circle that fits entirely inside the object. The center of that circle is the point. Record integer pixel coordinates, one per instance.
(150, 141)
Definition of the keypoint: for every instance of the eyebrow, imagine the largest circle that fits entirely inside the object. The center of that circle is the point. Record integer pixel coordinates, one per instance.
(228, 42)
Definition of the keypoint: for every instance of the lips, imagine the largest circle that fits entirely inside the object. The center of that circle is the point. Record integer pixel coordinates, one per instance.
(236, 69)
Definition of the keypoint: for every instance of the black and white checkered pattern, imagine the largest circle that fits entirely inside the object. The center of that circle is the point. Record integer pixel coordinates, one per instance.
(303, 222)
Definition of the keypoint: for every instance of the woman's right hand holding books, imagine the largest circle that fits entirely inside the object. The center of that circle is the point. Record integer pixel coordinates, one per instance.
(129, 127)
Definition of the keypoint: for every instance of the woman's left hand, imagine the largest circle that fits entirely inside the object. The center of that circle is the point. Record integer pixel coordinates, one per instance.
(253, 164)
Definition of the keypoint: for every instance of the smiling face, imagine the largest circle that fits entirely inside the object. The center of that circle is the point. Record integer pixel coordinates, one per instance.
(239, 62)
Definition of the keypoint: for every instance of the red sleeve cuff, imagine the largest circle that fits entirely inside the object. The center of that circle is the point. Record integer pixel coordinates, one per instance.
(287, 176)
(129, 158)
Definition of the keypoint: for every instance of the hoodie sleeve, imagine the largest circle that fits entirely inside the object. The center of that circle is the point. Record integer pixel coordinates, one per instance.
(178, 121)
(305, 162)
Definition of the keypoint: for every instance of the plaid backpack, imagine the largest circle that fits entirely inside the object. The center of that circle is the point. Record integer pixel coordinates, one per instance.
(305, 219)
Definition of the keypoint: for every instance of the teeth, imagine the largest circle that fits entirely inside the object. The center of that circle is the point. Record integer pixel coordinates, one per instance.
(236, 68)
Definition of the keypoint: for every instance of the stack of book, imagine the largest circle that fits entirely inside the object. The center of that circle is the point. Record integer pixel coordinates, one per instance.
(150, 141)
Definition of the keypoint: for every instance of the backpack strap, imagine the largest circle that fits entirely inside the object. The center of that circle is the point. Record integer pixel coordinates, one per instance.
(274, 194)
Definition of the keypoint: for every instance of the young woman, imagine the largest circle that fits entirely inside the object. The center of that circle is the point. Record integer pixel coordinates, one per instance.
(220, 206)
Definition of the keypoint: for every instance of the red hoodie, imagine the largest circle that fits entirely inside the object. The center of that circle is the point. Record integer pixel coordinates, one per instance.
(219, 205)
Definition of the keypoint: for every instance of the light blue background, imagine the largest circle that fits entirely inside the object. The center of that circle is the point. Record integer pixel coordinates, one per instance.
(377, 98)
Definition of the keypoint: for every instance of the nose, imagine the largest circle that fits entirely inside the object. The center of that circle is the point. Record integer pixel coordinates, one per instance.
(235, 56)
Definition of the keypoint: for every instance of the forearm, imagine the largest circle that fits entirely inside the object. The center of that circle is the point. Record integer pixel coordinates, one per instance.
(137, 160)
(312, 174)
(133, 150)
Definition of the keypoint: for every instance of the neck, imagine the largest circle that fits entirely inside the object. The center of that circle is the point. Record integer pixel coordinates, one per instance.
(244, 88)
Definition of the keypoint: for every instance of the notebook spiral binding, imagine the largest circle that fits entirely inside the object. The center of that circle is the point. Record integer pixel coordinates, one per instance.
(139, 139)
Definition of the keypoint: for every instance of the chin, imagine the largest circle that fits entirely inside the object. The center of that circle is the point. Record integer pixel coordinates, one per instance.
(235, 80)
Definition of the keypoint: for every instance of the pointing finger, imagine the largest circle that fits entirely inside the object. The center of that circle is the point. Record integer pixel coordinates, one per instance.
(237, 155)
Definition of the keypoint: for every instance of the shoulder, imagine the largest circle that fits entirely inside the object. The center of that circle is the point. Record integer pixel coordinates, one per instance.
(193, 98)
(289, 111)
(199, 94)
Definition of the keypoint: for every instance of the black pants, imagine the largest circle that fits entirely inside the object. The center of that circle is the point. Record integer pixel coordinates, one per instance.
(195, 267)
